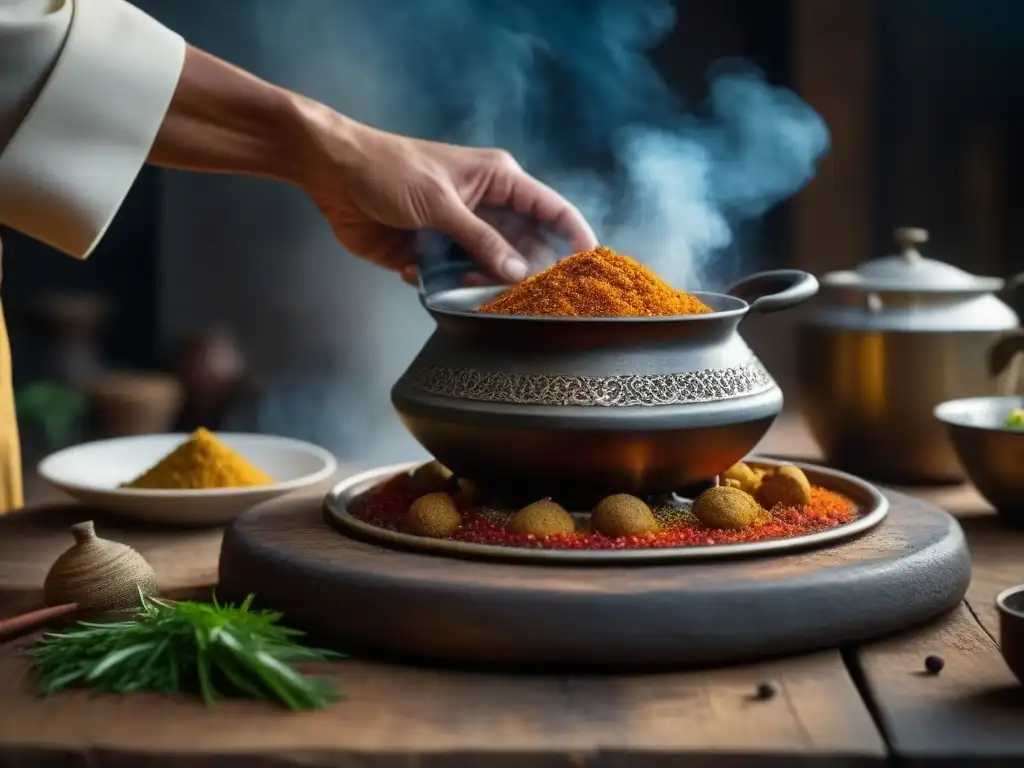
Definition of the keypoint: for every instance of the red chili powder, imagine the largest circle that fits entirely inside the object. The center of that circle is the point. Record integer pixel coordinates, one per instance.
(386, 506)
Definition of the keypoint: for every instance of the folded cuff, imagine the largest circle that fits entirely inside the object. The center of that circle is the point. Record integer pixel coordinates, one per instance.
(67, 169)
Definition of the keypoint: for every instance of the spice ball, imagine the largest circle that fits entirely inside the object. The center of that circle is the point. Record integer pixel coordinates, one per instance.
(726, 507)
(433, 515)
(741, 475)
(787, 486)
(622, 515)
(542, 518)
(431, 477)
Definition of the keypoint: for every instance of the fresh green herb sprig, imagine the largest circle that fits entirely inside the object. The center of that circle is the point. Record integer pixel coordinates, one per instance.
(219, 650)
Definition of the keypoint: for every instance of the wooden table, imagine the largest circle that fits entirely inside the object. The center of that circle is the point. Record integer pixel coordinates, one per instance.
(868, 705)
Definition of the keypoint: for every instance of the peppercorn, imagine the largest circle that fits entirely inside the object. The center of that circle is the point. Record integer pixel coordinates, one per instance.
(934, 664)
(765, 691)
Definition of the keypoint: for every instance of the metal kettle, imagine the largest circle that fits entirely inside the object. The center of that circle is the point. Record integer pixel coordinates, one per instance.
(889, 341)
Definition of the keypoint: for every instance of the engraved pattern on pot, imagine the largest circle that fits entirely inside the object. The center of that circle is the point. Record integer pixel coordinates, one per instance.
(705, 386)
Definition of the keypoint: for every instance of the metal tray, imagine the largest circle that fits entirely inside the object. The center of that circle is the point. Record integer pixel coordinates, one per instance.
(869, 500)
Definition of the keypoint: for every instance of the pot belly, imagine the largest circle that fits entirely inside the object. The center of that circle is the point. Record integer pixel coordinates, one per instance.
(578, 454)
(868, 398)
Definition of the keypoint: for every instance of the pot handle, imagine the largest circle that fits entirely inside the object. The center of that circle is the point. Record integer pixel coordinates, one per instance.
(776, 289)
(1013, 285)
(1003, 354)
(442, 264)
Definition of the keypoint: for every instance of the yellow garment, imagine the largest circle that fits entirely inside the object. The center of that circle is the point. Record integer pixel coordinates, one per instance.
(84, 87)
(10, 450)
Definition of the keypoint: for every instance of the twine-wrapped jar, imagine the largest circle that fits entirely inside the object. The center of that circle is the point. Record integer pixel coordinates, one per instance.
(97, 574)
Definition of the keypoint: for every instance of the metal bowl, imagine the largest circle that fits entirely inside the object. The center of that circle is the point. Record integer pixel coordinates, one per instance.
(584, 407)
(872, 505)
(992, 454)
(1010, 604)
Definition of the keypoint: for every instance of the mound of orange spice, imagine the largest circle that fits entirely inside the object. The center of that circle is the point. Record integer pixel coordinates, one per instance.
(597, 283)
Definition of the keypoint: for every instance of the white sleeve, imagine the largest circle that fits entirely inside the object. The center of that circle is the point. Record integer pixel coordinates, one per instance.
(84, 88)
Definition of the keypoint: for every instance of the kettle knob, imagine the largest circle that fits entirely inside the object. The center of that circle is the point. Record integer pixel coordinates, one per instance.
(907, 237)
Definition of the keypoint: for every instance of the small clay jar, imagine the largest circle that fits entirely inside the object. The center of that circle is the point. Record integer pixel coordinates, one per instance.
(99, 575)
(123, 403)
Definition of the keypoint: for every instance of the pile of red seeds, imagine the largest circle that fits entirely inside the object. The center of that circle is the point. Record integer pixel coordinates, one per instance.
(387, 505)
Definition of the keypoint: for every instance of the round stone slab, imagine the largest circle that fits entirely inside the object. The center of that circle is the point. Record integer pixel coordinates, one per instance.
(365, 598)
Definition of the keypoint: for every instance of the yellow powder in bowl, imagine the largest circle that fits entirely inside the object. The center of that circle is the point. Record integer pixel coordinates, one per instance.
(200, 463)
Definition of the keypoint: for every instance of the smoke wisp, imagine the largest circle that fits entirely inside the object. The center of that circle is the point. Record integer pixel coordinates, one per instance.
(570, 90)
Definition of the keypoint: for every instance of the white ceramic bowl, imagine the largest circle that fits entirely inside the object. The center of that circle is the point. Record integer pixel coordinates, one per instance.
(93, 472)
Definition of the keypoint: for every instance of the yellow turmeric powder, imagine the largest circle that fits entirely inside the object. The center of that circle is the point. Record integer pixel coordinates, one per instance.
(201, 462)
(597, 283)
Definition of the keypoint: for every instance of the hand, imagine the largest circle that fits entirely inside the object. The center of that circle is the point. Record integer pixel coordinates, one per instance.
(378, 188)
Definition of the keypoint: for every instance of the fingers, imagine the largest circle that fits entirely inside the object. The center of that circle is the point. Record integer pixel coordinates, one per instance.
(496, 257)
(527, 195)
(410, 275)
(523, 232)
(476, 280)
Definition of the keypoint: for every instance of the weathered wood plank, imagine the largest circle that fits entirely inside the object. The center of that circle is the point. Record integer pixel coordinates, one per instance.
(997, 562)
(971, 711)
(403, 716)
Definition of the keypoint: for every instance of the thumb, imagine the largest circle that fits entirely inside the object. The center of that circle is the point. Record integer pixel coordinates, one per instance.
(483, 242)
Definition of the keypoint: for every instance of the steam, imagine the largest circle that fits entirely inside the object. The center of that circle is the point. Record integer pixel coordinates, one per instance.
(569, 89)
(566, 86)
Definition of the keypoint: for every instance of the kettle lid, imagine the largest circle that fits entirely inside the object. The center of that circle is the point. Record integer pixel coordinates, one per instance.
(909, 271)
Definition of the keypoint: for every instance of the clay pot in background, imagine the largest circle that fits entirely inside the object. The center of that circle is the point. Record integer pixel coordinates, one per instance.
(213, 375)
(125, 403)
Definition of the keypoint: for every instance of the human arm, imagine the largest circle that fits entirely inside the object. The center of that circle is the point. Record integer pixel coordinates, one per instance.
(203, 114)
(376, 188)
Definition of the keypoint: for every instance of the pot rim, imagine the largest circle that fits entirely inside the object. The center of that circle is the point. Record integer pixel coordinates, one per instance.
(434, 303)
(1002, 598)
(956, 413)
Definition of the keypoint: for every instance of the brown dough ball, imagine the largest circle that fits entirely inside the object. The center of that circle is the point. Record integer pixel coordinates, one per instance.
(745, 477)
(725, 507)
(732, 482)
(622, 515)
(431, 477)
(542, 518)
(787, 486)
(433, 515)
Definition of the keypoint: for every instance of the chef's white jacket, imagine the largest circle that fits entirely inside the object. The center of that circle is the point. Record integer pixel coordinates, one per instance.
(84, 87)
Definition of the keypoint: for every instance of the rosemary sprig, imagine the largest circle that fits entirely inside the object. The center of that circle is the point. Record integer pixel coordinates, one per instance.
(219, 650)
